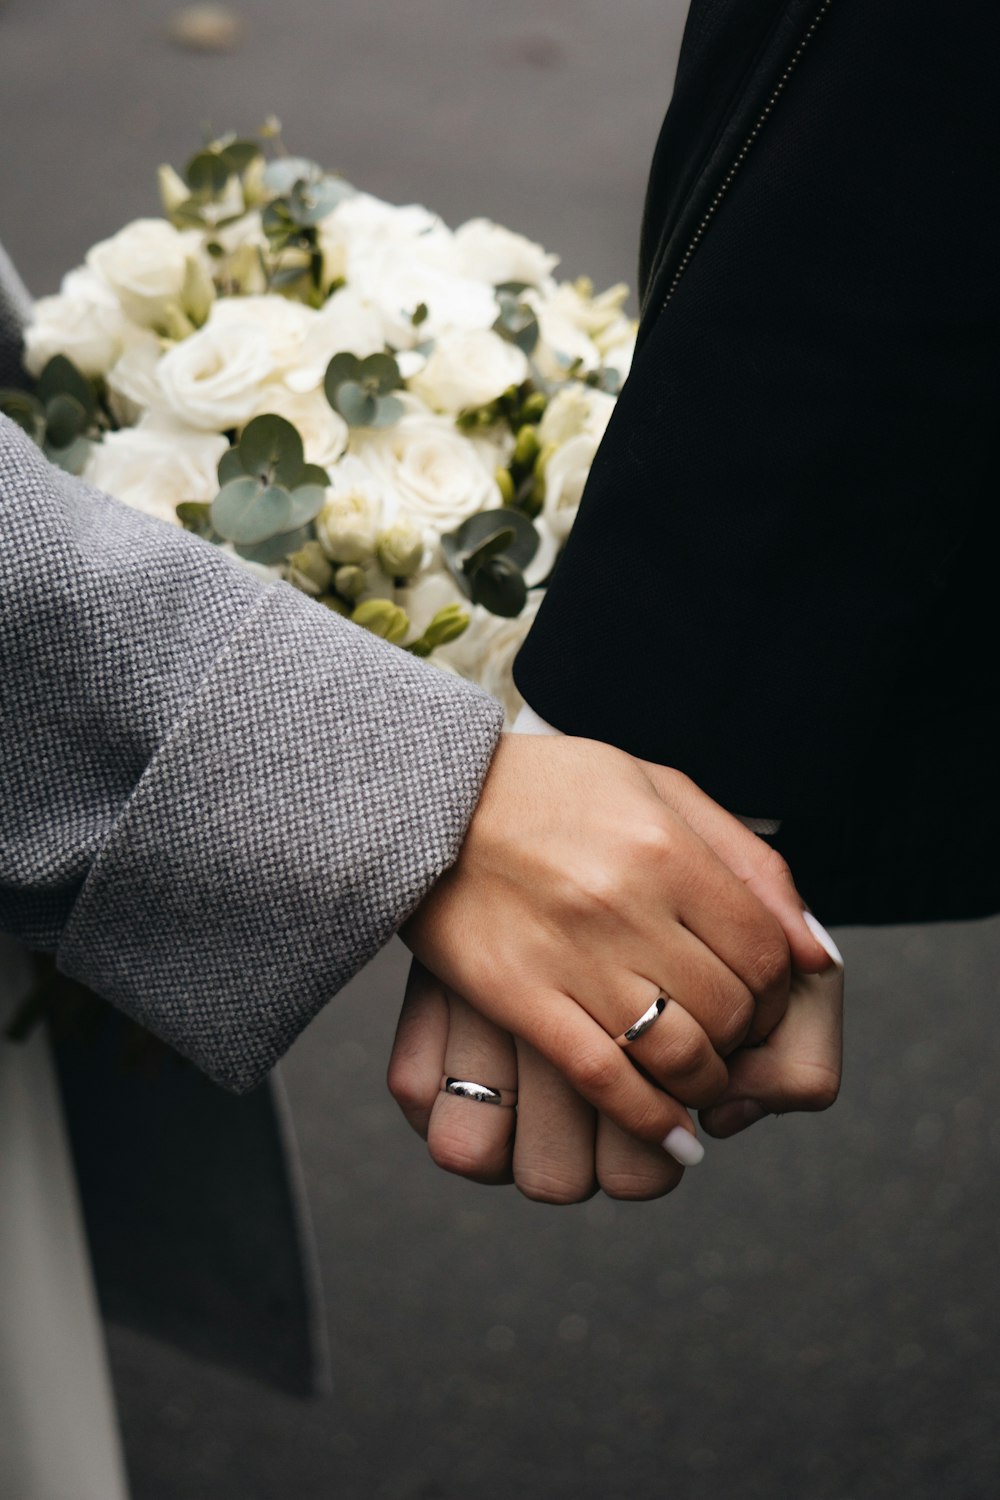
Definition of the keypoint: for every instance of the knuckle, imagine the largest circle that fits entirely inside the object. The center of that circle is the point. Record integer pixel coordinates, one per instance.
(735, 1022)
(773, 866)
(813, 1086)
(463, 1155)
(653, 841)
(596, 1072)
(560, 1186)
(683, 1052)
(769, 964)
(407, 1085)
(592, 889)
(636, 1184)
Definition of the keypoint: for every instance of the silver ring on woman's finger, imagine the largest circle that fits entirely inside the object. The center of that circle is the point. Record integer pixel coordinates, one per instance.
(482, 1093)
(646, 1020)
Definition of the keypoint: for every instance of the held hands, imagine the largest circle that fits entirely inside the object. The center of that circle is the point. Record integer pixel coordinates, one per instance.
(589, 884)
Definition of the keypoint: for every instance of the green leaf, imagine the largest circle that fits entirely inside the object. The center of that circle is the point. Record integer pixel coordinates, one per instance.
(314, 474)
(420, 314)
(27, 411)
(239, 154)
(458, 545)
(511, 291)
(73, 459)
(289, 276)
(65, 421)
(307, 502)
(355, 405)
(271, 449)
(230, 465)
(310, 201)
(388, 410)
(518, 324)
(246, 512)
(276, 549)
(499, 586)
(380, 373)
(207, 173)
(342, 367)
(281, 176)
(62, 378)
(196, 516)
(491, 546)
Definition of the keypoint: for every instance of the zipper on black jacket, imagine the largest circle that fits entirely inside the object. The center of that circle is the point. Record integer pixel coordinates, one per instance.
(744, 151)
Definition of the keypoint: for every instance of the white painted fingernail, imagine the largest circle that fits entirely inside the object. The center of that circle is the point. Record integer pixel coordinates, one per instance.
(684, 1147)
(824, 939)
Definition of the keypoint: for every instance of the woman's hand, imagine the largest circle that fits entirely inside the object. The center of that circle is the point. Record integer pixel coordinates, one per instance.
(589, 885)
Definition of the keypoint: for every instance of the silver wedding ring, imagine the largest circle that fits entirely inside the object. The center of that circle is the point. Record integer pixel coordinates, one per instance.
(646, 1020)
(482, 1093)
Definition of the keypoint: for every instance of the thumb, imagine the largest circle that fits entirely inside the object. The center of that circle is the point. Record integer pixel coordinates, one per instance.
(761, 868)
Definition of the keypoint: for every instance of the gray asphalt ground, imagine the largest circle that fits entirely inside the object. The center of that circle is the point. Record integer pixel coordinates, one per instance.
(813, 1314)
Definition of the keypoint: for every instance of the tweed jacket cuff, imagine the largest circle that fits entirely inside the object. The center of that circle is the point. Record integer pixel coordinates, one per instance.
(315, 786)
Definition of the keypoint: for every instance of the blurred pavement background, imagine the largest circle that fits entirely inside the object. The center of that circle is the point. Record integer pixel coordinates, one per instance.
(814, 1313)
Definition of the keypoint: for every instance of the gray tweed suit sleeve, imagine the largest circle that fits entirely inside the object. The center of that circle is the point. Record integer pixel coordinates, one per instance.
(217, 799)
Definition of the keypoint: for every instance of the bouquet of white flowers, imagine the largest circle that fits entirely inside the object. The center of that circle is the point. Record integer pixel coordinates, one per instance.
(395, 417)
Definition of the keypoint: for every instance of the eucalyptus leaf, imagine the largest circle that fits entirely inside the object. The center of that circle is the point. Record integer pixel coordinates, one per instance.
(239, 154)
(27, 411)
(196, 516)
(65, 421)
(499, 586)
(276, 549)
(388, 410)
(73, 459)
(281, 176)
(310, 201)
(307, 502)
(341, 368)
(380, 373)
(313, 474)
(207, 174)
(355, 405)
(246, 512)
(491, 546)
(271, 448)
(230, 466)
(457, 545)
(62, 378)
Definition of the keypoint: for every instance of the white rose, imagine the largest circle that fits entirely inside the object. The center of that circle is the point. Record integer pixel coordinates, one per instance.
(495, 254)
(396, 284)
(133, 381)
(213, 379)
(323, 431)
(352, 515)
(486, 652)
(575, 409)
(565, 476)
(156, 465)
(286, 325)
(469, 369)
(85, 322)
(562, 342)
(151, 267)
(367, 226)
(437, 475)
(345, 324)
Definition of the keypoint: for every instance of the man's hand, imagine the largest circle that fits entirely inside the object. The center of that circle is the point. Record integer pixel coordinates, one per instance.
(587, 885)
